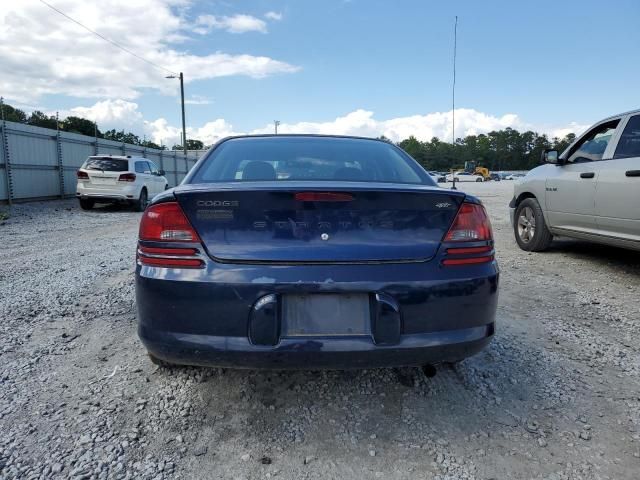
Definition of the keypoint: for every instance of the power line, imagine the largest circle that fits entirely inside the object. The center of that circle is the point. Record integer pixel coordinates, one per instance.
(115, 44)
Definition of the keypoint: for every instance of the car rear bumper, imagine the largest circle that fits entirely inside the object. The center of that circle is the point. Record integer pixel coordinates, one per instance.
(316, 353)
(107, 194)
(206, 317)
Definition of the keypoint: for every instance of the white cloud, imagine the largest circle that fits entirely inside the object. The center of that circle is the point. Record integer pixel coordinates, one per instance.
(118, 114)
(121, 114)
(43, 53)
(276, 16)
(234, 24)
(424, 127)
(573, 127)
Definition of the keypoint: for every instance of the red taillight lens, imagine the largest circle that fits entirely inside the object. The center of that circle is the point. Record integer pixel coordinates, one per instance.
(166, 222)
(171, 262)
(468, 250)
(467, 261)
(323, 197)
(82, 175)
(167, 251)
(127, 177)
(470, 225)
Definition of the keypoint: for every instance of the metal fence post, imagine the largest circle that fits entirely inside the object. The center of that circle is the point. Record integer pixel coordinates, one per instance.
(5, 150)
(175, 166)
(95, 135)
(59, 155)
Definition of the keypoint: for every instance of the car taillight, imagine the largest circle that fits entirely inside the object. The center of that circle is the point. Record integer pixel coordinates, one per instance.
(127, 177)
(166, 222)
(470, 226)
(82, 175)
(169, 257)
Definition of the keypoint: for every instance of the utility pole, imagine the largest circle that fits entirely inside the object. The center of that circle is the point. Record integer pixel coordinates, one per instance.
(276, 123)
(184, 126)
(95, 134)
(453, 87)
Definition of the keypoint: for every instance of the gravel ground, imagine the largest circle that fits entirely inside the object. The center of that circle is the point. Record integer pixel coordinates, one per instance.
(555, 396)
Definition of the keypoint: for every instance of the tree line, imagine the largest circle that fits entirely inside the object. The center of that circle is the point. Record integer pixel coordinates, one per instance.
(83, 126)
(506, 149)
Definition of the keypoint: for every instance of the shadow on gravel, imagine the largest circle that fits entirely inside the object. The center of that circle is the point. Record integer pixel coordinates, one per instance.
(617, 257)
(501, 387)
(109, 208)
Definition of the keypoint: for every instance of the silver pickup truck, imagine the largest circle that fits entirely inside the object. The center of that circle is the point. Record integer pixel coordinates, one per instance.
(591, 191)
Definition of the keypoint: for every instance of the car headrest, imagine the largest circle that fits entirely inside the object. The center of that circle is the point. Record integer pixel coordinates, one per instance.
(258, 171)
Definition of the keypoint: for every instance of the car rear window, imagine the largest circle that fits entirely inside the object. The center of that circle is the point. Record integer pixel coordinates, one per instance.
(107, 164)
(328, 159)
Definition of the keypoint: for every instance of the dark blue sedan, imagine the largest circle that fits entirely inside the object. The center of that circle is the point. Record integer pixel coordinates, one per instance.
(303, 251)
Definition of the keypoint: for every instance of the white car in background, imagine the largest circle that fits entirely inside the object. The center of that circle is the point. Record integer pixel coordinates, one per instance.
(514, 176)
(119, 179)
(465, 177)
(590, 192)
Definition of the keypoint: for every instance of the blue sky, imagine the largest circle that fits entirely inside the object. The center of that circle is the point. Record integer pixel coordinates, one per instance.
(543, 65)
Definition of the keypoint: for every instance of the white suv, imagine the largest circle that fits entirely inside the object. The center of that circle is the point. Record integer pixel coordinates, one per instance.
(115, 179)
(590, 192)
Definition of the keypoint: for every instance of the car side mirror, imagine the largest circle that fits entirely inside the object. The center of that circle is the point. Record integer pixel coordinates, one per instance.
(550, 156)
(161, 173)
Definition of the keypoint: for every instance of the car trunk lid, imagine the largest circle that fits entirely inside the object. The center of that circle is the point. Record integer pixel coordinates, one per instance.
(342, 222)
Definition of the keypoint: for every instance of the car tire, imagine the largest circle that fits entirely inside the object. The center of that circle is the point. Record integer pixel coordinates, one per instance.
(478, 180)
(86, 203)
(140, 204)
(529, 227)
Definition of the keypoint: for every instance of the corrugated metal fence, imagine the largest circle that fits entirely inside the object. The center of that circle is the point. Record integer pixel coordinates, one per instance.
(40, 163)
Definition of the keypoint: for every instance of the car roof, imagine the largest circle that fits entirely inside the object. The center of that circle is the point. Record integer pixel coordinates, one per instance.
(118, 157)
(302, 135)
(624, 114)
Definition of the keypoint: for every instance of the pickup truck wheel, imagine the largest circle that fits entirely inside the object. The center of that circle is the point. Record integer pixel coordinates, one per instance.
(478, 180)
(530, 228)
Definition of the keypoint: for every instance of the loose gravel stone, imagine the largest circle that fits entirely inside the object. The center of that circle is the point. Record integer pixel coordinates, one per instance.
(555, 393)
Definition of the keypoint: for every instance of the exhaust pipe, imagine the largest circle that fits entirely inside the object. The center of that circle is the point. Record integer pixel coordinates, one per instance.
(429, 371)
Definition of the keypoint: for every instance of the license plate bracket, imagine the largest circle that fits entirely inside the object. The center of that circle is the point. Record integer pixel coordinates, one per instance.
(308, 315)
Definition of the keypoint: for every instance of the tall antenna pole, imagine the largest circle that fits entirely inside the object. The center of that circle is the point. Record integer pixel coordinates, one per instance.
(453, 87)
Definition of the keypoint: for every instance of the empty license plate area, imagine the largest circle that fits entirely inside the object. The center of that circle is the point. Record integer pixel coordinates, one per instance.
(103, 180)
(325, 315)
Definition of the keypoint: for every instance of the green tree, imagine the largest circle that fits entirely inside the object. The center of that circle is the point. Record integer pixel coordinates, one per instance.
(505, 149)
(40, 119)
(122, 136)
(150, 144)
(561, 145)
(191, 145)
(79, 125)
(12, 114)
